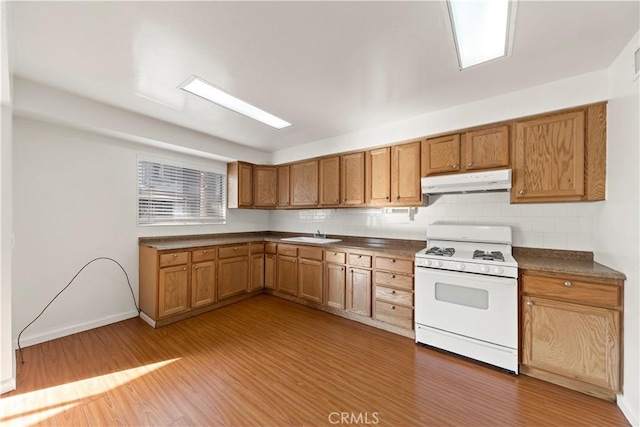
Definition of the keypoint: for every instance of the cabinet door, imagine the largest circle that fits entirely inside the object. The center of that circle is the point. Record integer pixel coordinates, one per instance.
(203, 283)
(270, 271)
(486, 149)
(378, 181)
(405, 174)
(336, 279)
(173, 289)
(257, 272)
(239, 185)
(304, 183)
(358, 299)
(352, 179)
(441, 155)
(310, 280)
(283, 186)
(265, 186)
(287, 273)
(549, 158)
(330, 181)
(573, 340)
(233, 276)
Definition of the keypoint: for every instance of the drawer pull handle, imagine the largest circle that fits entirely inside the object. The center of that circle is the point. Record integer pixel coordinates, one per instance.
(529, 303)
(235, 249)
(393, 292)
(393, 260)
(335, 254)
(359, 256)
(567, 284)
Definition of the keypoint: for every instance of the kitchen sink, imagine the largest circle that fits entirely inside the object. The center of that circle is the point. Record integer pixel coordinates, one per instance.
(304, 239)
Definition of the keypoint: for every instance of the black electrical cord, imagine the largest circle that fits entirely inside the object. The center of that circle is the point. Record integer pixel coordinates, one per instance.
(68, 284)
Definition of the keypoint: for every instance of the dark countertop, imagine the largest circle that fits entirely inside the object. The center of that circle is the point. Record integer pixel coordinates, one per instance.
(569, 262)
(397, 247)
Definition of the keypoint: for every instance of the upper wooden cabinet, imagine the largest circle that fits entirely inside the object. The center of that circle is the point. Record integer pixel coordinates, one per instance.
(304, 183)
(405, 174)
(475, 150)
(265, 186)
(239, 185)
(378, 171)
(330, 181)
(441, 155)
(283, 186)
(352, 182)
(485, 149)
(560, 157)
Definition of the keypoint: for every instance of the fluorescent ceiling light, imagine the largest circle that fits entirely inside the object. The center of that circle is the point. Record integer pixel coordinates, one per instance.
(481, 29)
(197, 86)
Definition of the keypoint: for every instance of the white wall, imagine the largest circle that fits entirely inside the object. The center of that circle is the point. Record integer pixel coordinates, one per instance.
(7, 355)
(556, 226)
(617, 232)
(75, 199)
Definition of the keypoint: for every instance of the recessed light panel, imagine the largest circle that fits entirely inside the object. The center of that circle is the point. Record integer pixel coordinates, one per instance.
(201, 88)
(481, 29)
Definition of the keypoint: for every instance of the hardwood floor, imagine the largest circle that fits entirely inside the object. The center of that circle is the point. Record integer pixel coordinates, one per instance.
(267, 361)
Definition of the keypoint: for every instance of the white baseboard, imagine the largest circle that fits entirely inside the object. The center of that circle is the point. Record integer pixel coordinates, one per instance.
(147, 319)
(628, 410)
(28, 340)
(7, 385)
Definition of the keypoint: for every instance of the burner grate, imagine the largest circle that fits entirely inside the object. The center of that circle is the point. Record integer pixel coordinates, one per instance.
(441, 251)
(488, 256)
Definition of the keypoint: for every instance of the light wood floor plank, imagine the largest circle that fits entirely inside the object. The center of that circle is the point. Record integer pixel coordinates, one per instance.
(266, 361)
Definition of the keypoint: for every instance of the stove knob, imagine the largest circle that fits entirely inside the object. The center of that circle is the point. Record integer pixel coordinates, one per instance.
(498, 270)
(460, 266)
(437, 263)
(428, 263)
(484, 269)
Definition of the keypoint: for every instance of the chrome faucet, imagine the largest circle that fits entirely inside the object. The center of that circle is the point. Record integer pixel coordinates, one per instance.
(319, 235)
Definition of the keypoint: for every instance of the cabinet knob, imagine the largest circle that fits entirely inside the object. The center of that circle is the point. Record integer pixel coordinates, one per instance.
(393, 307)
(335, 254)
(341, 268)
(393, 260)
(393, 276)
(469, 164)
(196, 267)
(175, 255)
(345, 200)
(359, 256)
(529, 303)
(455, 166)
(235, 249)
(521, 192)
(387, 197)
(397, 197)
(567, 284)
(184, 269)
(393, 292)
(204, 252)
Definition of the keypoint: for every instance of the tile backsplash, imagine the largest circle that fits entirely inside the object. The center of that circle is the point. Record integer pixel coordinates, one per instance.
(551, 225)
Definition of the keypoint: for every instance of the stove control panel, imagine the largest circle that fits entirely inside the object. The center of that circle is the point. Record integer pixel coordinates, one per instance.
(467, 267)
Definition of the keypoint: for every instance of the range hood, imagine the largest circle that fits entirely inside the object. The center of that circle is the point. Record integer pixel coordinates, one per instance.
(471, 182)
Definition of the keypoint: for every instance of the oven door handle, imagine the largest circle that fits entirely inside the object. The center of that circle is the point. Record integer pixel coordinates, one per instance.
(435, 273)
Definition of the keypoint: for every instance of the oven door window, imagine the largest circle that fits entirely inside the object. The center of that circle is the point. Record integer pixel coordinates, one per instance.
(462, 295)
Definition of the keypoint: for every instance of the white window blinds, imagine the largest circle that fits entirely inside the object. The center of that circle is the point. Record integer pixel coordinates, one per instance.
(169, 194)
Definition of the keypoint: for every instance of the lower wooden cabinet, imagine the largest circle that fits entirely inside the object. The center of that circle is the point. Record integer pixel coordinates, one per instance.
(310, 280)
(571, 332)
(233, 276)
(203, 283)
(336, 281)
(270, 271)
(173, 288)
(358, 289)
(287, 274)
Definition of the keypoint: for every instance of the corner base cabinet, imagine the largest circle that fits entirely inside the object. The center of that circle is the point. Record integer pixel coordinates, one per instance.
(571, 331)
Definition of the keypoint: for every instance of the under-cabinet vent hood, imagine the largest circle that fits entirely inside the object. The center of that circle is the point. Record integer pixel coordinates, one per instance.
(472, 182)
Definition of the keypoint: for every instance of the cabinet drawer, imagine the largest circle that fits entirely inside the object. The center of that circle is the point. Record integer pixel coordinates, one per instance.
(395, 280)
(394, 296)
(231, 251)
(395, 264)
(204, 254)
(358, 260)
(176, 258)
(335, 257)
(391, 313)
(270, 248)
(309, 252)
(288, 250)
(588, 293)
(257, 248)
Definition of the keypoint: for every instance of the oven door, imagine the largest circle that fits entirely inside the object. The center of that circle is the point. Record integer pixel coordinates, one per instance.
(471, 305)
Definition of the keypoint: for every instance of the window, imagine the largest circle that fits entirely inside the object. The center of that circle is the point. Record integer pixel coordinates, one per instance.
(171, 194)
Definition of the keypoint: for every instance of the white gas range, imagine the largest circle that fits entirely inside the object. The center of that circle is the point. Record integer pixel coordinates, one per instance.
(466, 293)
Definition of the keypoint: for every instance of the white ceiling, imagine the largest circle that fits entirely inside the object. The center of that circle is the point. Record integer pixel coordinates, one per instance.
(327, 67)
